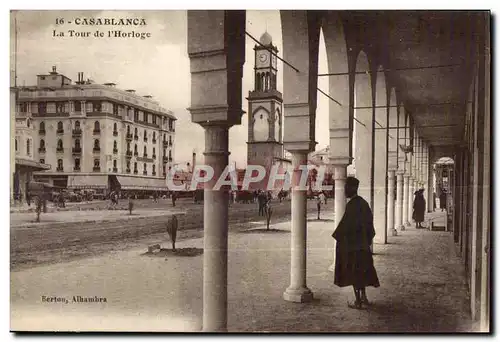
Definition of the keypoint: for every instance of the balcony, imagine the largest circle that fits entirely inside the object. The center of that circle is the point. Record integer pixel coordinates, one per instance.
(60, 131)
(77, 133)
(115, 151)
(96, 169)
(77, 150)
(127, 170)
(136, 137)
(154, 141)
(129, 154)
(165, 159)
(145, 139)
(135, 172)
(128, 136)
(41, 149)
(115, 169)
(96, 131)
(136, 153)
(165, 143)
(60, 169)
(145, 172)
(145, 155)
(60, 150)
(154, 156)
(115, 133)
(41, 132)
(154, 173)
(96, 150)
(76, 169)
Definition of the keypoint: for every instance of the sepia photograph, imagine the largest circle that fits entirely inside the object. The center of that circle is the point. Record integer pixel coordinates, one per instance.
(250, 171)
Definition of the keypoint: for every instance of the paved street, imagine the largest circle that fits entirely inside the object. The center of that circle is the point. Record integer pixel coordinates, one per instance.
(63, 236)
(422, 288)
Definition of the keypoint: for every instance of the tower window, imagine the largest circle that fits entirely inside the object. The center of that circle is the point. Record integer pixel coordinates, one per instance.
(60, 164)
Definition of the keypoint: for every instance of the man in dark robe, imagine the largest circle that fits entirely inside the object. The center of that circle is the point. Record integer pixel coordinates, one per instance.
(354, 236)
(419, 208)
(442, 200)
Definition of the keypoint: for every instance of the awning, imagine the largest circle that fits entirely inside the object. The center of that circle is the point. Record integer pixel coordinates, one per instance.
(88, 182)
(141, 183)
(32, 164)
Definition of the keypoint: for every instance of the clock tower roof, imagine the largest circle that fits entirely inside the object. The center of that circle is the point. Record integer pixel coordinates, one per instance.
(266, 39)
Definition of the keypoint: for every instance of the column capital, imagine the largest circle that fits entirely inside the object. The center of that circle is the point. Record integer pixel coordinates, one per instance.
(340, 161)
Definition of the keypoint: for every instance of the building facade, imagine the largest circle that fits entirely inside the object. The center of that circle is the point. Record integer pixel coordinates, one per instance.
(95, 136)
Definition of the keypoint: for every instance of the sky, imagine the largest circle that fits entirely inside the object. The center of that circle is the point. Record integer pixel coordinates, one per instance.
(157, 66)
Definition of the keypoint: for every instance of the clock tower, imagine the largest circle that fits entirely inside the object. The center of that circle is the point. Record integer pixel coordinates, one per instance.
(265, 108)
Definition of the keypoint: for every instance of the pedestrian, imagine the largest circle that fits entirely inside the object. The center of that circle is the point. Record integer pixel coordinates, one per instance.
(419, 208)
(261, 199)
(319, 201)
(442, 199)
(174, 198)
(354, 235)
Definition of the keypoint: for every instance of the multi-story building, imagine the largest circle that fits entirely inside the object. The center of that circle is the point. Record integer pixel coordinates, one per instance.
(97, 136)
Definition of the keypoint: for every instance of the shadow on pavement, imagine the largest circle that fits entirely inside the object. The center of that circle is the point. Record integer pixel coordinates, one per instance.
(182, 252)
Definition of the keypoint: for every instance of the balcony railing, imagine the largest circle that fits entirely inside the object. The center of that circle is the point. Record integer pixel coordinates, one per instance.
(60, 169)
(154, 141)
(77, 150)
(154, 173)
(41, 132)
(115, 133)
(60, 149)
(128, 136)
(154, 156)
(170, 159)
(129, 154)
(145, 139)
(115, 151)
(127, 170)
(41, 149)
(145, 172)
(136, 137)
(60, 131)
(96, 149)
(96, 169)
(165, 159)
(77, 132)
(165, 143)
(136, 153)
(135, 172)
(145, 155)
(96, 131)
(77, 169)
(115, 169)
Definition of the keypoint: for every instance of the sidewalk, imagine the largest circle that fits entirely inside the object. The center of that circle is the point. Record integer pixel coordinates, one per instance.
(422, 288)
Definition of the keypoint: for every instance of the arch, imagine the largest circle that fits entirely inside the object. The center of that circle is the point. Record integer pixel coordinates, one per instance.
(59, 144)
(362, 126)
(260, 124)
(77, 124)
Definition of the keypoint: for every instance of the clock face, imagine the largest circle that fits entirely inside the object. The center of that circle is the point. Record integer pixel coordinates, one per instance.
(263, 57)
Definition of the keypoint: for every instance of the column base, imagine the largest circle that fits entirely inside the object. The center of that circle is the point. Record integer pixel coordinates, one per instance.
(394, 232)
(300, 295)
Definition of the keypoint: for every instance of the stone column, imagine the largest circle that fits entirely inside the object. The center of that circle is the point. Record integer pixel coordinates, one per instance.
(390, 204)
(340, 199)
(215, 220)
(406, 189)
(298, 291)
(399, 200)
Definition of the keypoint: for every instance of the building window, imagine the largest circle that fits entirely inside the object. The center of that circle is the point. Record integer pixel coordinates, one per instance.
(77, 125)
(78, 106)
(97, 146)
(170, 155)
(115, 167)
(145, 151)
(77, 144)
(42, 146)
(145, 135)
(154, 170)
(59, 164)
(60, 146)
(135, 167)
(42, 107)
(42, 161)
(154, 137)
(128, 129)
(135, 150)
(154, 119)
(136, 134)
(170, 140)
(23, 107)
(115, 109)
(145, 169)
(115, 127)
(115, 145)
(28, 147)
(97, 106)
(59, 107)
(60, 128)
(136, 115)
(28, 123)
(97, 127)
(146, 117)
(97, 165)
(42, 128)
(77, 164)
(154, 152)
(15, 143)
(128, 146)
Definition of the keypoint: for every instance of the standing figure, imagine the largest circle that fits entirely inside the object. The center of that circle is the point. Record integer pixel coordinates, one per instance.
(419, 208)
(320, 199)
(442, 200)
(354, 235)
(174, 198)
(261, 199)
